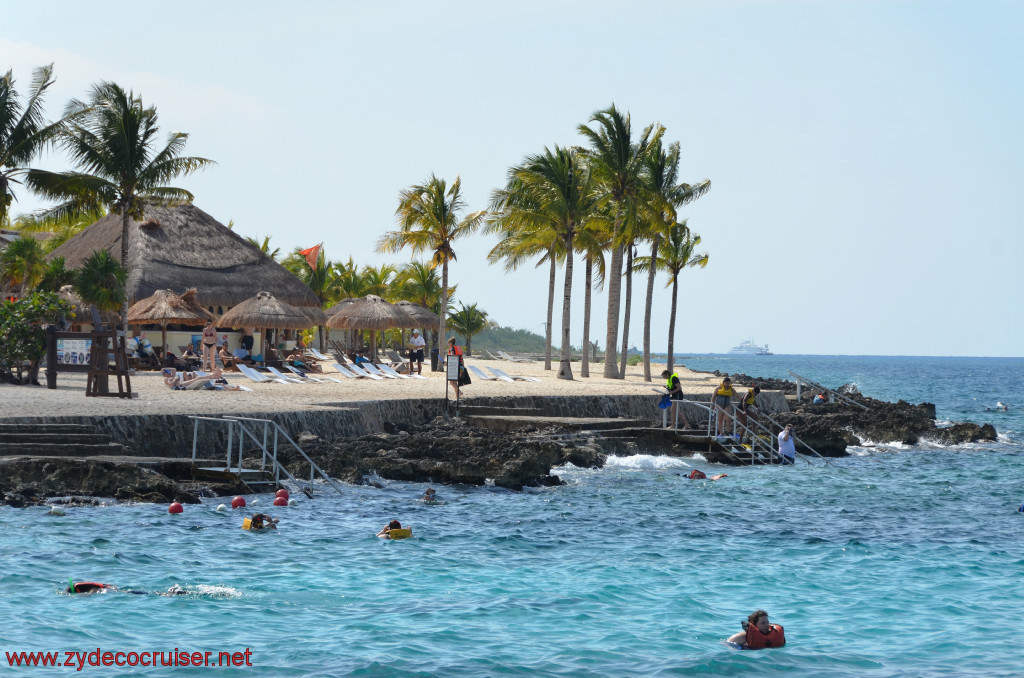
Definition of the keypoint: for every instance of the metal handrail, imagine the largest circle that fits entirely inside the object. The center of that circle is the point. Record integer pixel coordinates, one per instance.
(278, 467)
(231, 431)
(756, 441)
(835, 394)
(278, 430)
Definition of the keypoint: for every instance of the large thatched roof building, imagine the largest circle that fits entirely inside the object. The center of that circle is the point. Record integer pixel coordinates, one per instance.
(182, 246)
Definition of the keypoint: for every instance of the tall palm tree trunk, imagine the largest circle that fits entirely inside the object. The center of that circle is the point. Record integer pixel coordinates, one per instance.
(672, 324)
(551, 310)
(625, 315)
(648, 308)
(611, 370)
(565, 368)
(125, 218)
(589, 274)
(442, 338)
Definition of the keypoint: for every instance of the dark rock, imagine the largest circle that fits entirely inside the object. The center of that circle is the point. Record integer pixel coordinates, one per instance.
(28, 480)
(451, 452)
(966, 433)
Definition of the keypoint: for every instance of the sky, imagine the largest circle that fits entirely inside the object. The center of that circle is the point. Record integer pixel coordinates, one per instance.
(865, 157)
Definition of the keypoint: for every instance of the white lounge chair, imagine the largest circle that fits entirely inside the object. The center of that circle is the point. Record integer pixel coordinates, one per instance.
(281, 375)
(257, 377)
(318, 355)
(387, 369)
(389, 372)
(359, 371)
(320, 378)
(299, 374)
(372, 369)
(506, 356)
(498, 374)
(344, 371)
(501, 374)
(477, 372)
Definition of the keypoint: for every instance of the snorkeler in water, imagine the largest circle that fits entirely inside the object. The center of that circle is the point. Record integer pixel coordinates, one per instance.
(87, 587)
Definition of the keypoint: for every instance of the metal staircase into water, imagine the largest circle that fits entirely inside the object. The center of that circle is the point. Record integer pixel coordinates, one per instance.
(265, 437)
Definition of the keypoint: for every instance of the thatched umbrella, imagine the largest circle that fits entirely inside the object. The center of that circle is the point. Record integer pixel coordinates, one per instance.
(425, 316)
(370, 313)
(166, 307)
(265, 311)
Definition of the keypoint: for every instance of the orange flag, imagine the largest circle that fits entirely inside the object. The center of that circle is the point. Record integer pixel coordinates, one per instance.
(311, 254)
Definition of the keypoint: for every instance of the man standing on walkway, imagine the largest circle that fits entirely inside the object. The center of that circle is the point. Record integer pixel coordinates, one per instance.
(787, 446)
(416, 346)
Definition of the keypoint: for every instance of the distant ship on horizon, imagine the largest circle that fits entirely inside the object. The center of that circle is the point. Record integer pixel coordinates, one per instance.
(748, 347)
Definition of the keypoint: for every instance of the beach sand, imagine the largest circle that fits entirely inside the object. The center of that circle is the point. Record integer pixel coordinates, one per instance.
(69, 399)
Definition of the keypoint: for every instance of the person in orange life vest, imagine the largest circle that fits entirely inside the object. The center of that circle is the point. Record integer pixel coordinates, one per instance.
(819, 399)
(758, 634)
(456, 350)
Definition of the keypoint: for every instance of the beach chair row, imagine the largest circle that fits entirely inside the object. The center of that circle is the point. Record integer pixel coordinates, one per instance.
(499, 375)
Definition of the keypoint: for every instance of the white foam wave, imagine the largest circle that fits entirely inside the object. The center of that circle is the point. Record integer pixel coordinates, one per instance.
(211, 590)
(646, 462)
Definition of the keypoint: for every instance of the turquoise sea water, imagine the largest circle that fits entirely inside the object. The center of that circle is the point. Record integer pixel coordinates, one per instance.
(896, 561)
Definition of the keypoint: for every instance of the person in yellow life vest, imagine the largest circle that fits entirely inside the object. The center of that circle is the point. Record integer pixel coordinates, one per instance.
(675, 392)
(721, 400)
(747, 409)
(757, 633)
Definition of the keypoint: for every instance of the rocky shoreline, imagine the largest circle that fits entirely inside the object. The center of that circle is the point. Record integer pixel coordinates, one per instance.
(449, 451)
(832, 427)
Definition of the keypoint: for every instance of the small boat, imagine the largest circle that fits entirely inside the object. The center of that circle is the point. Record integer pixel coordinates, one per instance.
(748, 347)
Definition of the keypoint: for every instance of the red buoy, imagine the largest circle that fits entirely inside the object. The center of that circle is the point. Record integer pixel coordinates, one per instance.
(238, 502)
(282, 493)
(175, 507)
(280, 501)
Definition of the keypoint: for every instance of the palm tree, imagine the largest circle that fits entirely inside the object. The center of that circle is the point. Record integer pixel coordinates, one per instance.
(523, 241)
(469, 321)
(419, 283)
(264, 245)
(321, 279)
(22, 264)
(56, 276)
(617, 162)
(592, 242)
(101, 282)
(114, 145)
(552, 193)
(378, 280)
(661, 178)
(428, 220)
(23, 131)
(62, 229)
(676, 255)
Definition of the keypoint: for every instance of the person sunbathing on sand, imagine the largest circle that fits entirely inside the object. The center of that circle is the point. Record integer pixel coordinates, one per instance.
(188, 381)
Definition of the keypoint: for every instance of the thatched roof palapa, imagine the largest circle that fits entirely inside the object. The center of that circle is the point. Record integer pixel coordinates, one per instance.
(264, 310)
(370, 313)
(167, 307)
(180, 246)
(424, 315)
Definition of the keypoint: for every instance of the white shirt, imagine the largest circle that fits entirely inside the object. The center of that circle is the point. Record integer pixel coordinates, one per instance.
(417, 342)
(787, 447)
